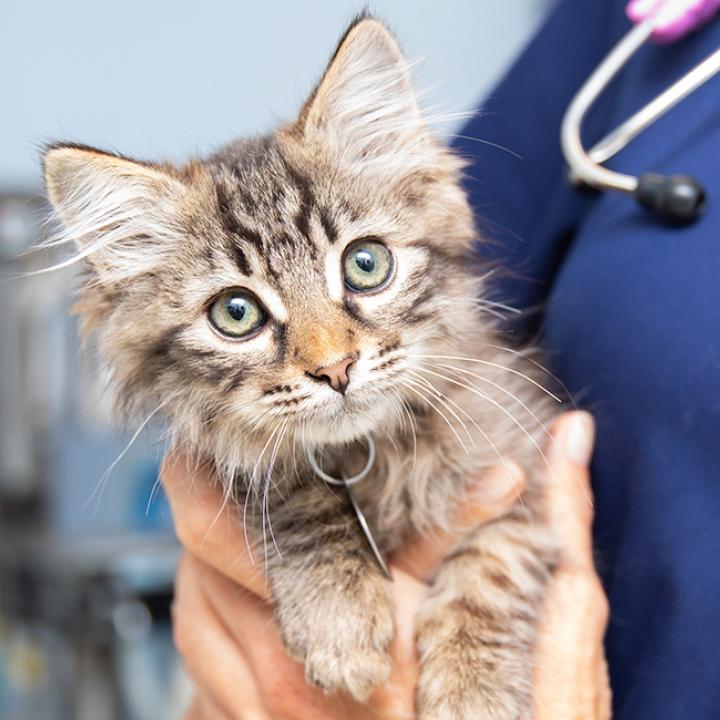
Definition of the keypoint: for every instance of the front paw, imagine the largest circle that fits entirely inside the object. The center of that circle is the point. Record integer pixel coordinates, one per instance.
(474, 666)
(342, 639)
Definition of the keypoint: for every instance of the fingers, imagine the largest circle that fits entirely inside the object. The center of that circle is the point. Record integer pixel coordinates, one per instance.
(569, 496)
(603, 700)
(395, 700)
(500, 489)
(571, 681)
(211, 656)
(280, 679)
(227, 636)
(205, 708)
(209, 527)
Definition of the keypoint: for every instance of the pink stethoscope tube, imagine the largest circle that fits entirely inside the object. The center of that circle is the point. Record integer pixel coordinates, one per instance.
(672, 19)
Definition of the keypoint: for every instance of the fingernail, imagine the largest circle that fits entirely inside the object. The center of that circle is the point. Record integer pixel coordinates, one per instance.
(579, 437)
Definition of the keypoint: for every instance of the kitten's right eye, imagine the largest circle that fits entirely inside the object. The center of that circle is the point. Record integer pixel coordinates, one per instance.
(237, 314)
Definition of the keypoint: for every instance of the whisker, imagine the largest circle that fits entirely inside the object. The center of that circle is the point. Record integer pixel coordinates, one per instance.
(454, 303)
(512, 371)
(100, 487)
(488, 143)
(266, 493)
(494, 402)
(500, 306)
(406, 384)
(476, 304)
(153, 492)
(539, 366)
(487, 304)
(251, 482)
(413, 428)
(442, 398)
(490, 442)
(457, 371)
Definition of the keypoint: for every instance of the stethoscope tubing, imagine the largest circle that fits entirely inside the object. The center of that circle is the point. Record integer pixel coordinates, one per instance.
(616, 140)
(581, 165)
(586, 165)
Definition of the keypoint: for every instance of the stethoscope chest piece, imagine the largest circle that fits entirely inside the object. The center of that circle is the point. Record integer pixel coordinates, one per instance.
(677, 199)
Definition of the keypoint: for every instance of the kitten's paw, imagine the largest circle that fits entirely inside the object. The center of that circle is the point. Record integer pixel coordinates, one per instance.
(343, 645)
(342, 667)
(466, 704)
(473, 666)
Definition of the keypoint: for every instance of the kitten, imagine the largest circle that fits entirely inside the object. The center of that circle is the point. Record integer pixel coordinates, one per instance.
(298, 293)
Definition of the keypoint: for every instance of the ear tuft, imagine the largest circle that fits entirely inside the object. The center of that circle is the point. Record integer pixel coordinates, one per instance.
(365, 107)
(118, 212)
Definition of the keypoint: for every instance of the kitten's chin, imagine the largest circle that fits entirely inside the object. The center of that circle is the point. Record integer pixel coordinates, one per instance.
(348, 425)
(335, 433)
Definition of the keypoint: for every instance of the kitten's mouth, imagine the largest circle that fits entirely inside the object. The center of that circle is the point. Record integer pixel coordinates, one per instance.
(347, 417)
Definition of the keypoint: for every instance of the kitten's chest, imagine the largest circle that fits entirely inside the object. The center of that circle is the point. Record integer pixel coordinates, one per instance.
(415, 484)
(419, 481)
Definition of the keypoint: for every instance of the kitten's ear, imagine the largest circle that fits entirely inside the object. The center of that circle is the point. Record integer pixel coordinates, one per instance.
(119, 213)
(365, 106)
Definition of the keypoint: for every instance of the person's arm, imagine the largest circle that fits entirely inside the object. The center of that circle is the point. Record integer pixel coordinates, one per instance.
(224, 627)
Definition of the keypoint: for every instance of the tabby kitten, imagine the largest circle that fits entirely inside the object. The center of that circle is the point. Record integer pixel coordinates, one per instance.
(295, 294)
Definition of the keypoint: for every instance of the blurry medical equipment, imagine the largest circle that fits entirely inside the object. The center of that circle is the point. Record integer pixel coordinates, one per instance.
(87, 561)
(675, 198)
(85, 628)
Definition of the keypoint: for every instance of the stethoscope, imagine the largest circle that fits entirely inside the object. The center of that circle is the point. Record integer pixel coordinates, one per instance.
(677, 199)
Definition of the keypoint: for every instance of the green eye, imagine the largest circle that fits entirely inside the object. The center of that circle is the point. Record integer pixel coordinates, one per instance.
(367, 264)
(236, 313)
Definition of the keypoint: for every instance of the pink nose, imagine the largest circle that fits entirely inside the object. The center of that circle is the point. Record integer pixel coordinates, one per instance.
(336, 375)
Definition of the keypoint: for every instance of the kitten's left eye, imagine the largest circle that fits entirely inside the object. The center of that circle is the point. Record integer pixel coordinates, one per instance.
(236, 313)
(367, 264)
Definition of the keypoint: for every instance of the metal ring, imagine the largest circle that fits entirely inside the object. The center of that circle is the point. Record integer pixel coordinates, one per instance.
(344, 481)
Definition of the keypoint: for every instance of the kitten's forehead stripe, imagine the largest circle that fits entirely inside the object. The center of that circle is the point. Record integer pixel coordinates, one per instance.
(303, 185)
(329, 226)
(226, 212)
(240, 258)
(250, 235)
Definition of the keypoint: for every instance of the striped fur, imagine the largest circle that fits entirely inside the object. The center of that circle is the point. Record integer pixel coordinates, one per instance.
(431, 380)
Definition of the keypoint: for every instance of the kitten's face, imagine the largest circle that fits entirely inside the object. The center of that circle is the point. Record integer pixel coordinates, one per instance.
(287, 284)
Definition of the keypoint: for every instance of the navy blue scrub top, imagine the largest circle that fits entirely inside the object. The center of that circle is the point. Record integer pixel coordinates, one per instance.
(630, 320)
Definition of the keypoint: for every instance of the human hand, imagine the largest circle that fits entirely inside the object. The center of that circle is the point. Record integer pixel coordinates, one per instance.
(223, 621)
(673, 19)
(232, 649)
(571, 679)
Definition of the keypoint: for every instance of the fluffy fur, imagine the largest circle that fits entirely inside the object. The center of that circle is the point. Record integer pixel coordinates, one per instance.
(431, 380)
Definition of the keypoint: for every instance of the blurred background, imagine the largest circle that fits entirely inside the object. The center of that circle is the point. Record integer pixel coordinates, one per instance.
(87, 552)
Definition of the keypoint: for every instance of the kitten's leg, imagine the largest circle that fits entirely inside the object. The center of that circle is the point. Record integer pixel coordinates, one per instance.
(477, 628)
(332, 601)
